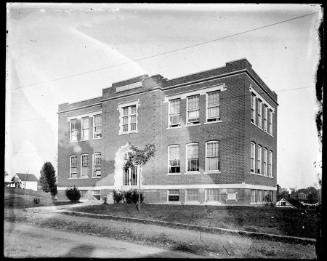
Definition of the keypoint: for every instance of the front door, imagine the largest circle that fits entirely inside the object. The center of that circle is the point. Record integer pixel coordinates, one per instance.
(130, 177)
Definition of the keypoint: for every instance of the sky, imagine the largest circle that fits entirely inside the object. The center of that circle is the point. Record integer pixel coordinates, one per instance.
(59, 53)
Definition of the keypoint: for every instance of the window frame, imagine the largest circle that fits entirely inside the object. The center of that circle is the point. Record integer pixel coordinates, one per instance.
(265, 162)
(259, 114)
(186, 158)
(88, 166)
(188, 122)
(70, 130)
(265, 118)
(253, 159)
(172, 194)
(179, 155)
(270, 122)
(259, 160)
(216, 119)
(187, 193)
(95, 115)
(270, 163)
(170, 125)
(129, 106)
(206, 157)
(93, 164)
(253, 108)
(83, 130)
(70, 167)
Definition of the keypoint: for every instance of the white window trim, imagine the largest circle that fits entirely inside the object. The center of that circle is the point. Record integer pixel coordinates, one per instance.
(265, 118)
(271, 163)
(70, 130)
(259, 122)
(271, 118)
(186, 166)
(82, 138)
(259, 157)
(255, 162)
(177, 173)
(93, 133)
(88, 166)
(187, 119)
(120, 109)
(93, 165)
(217, 119)
(265, 167)
(205, 158)
(169, 112)
(70, 167)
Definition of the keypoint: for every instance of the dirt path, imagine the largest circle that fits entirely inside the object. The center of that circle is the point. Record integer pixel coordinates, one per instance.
(207, 244)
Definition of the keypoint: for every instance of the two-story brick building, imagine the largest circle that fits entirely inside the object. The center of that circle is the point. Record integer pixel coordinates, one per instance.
(215, 134)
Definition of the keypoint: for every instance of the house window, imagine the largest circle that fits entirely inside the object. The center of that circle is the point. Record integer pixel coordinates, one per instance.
(97, 126)
(192, 195)
(252, 157)
(96, 194)
(265, 117)
(270, 123)
(192, 152)
(212, 156)
(173, 159)
(73, 166)
(175, 113)
(85, 165)
(214, 195)
(73, 129)
(85, 128)
(173, 195)
(265, 161)
(259, 113)
(259, 161)
(270, 156)
(213, 110)
(97, 164)
(193, 109)
(253, 108)
(253, 196)
(129, 119)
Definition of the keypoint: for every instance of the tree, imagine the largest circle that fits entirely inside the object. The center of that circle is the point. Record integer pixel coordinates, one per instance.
(48, 179)
(138, 158)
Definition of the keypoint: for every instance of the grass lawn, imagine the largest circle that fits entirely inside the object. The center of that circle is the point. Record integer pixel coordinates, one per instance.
(24, 198)
(273, 220)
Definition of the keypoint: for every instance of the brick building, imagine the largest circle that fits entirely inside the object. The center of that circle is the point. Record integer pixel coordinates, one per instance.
(215, 134)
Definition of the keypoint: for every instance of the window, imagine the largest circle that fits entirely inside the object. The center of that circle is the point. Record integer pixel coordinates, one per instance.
(129, 119)
(252, 157)
(212, 156)
(270, 123)
(213, 111)
(97, 126)
(73, 166)
(85, 128)
(175, 113)
(73, 129)
(270, 163)
(265, 117)
(97, 164)
(214, 195)
(192, 152)
(259, 113)
(259, 162)
(253, 196)
(192, 195)
(173, 195)
(96, 194)
(130, 177)
(253, 108)
(193, 109)
(85, 165)
(265, 162)
(173, 159)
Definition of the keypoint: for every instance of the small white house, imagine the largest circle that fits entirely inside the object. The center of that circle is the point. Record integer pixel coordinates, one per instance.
(284, 203)
(28, 181)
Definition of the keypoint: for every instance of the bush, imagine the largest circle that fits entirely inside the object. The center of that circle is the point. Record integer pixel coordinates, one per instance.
(117, 196)
(73, 194)
(36, 201)
(132, 196)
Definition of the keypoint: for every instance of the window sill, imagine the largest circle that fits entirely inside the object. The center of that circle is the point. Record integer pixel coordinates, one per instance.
(97, 138)
(177, 127)
(72, 178)
(174, 174)
(192, 172)
(212, 172)
(261, 175)
(84, 177)
(97, 177)
(188, 124)
(129, 132)
(211, 122)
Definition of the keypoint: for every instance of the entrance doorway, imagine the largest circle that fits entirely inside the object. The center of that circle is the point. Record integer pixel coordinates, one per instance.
(130, 177)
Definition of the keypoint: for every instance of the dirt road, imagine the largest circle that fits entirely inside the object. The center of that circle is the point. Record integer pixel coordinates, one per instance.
(27, 240)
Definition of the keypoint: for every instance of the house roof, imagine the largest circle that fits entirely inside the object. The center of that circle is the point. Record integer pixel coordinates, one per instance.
(26, 177)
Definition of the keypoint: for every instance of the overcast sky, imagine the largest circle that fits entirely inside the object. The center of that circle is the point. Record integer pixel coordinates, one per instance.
(59, 53)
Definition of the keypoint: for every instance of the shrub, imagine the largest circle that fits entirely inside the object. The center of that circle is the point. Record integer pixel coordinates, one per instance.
(48, 179)
(36, 201)
(117, 196)
(128, 197)
(132, 196)
(73, 194)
